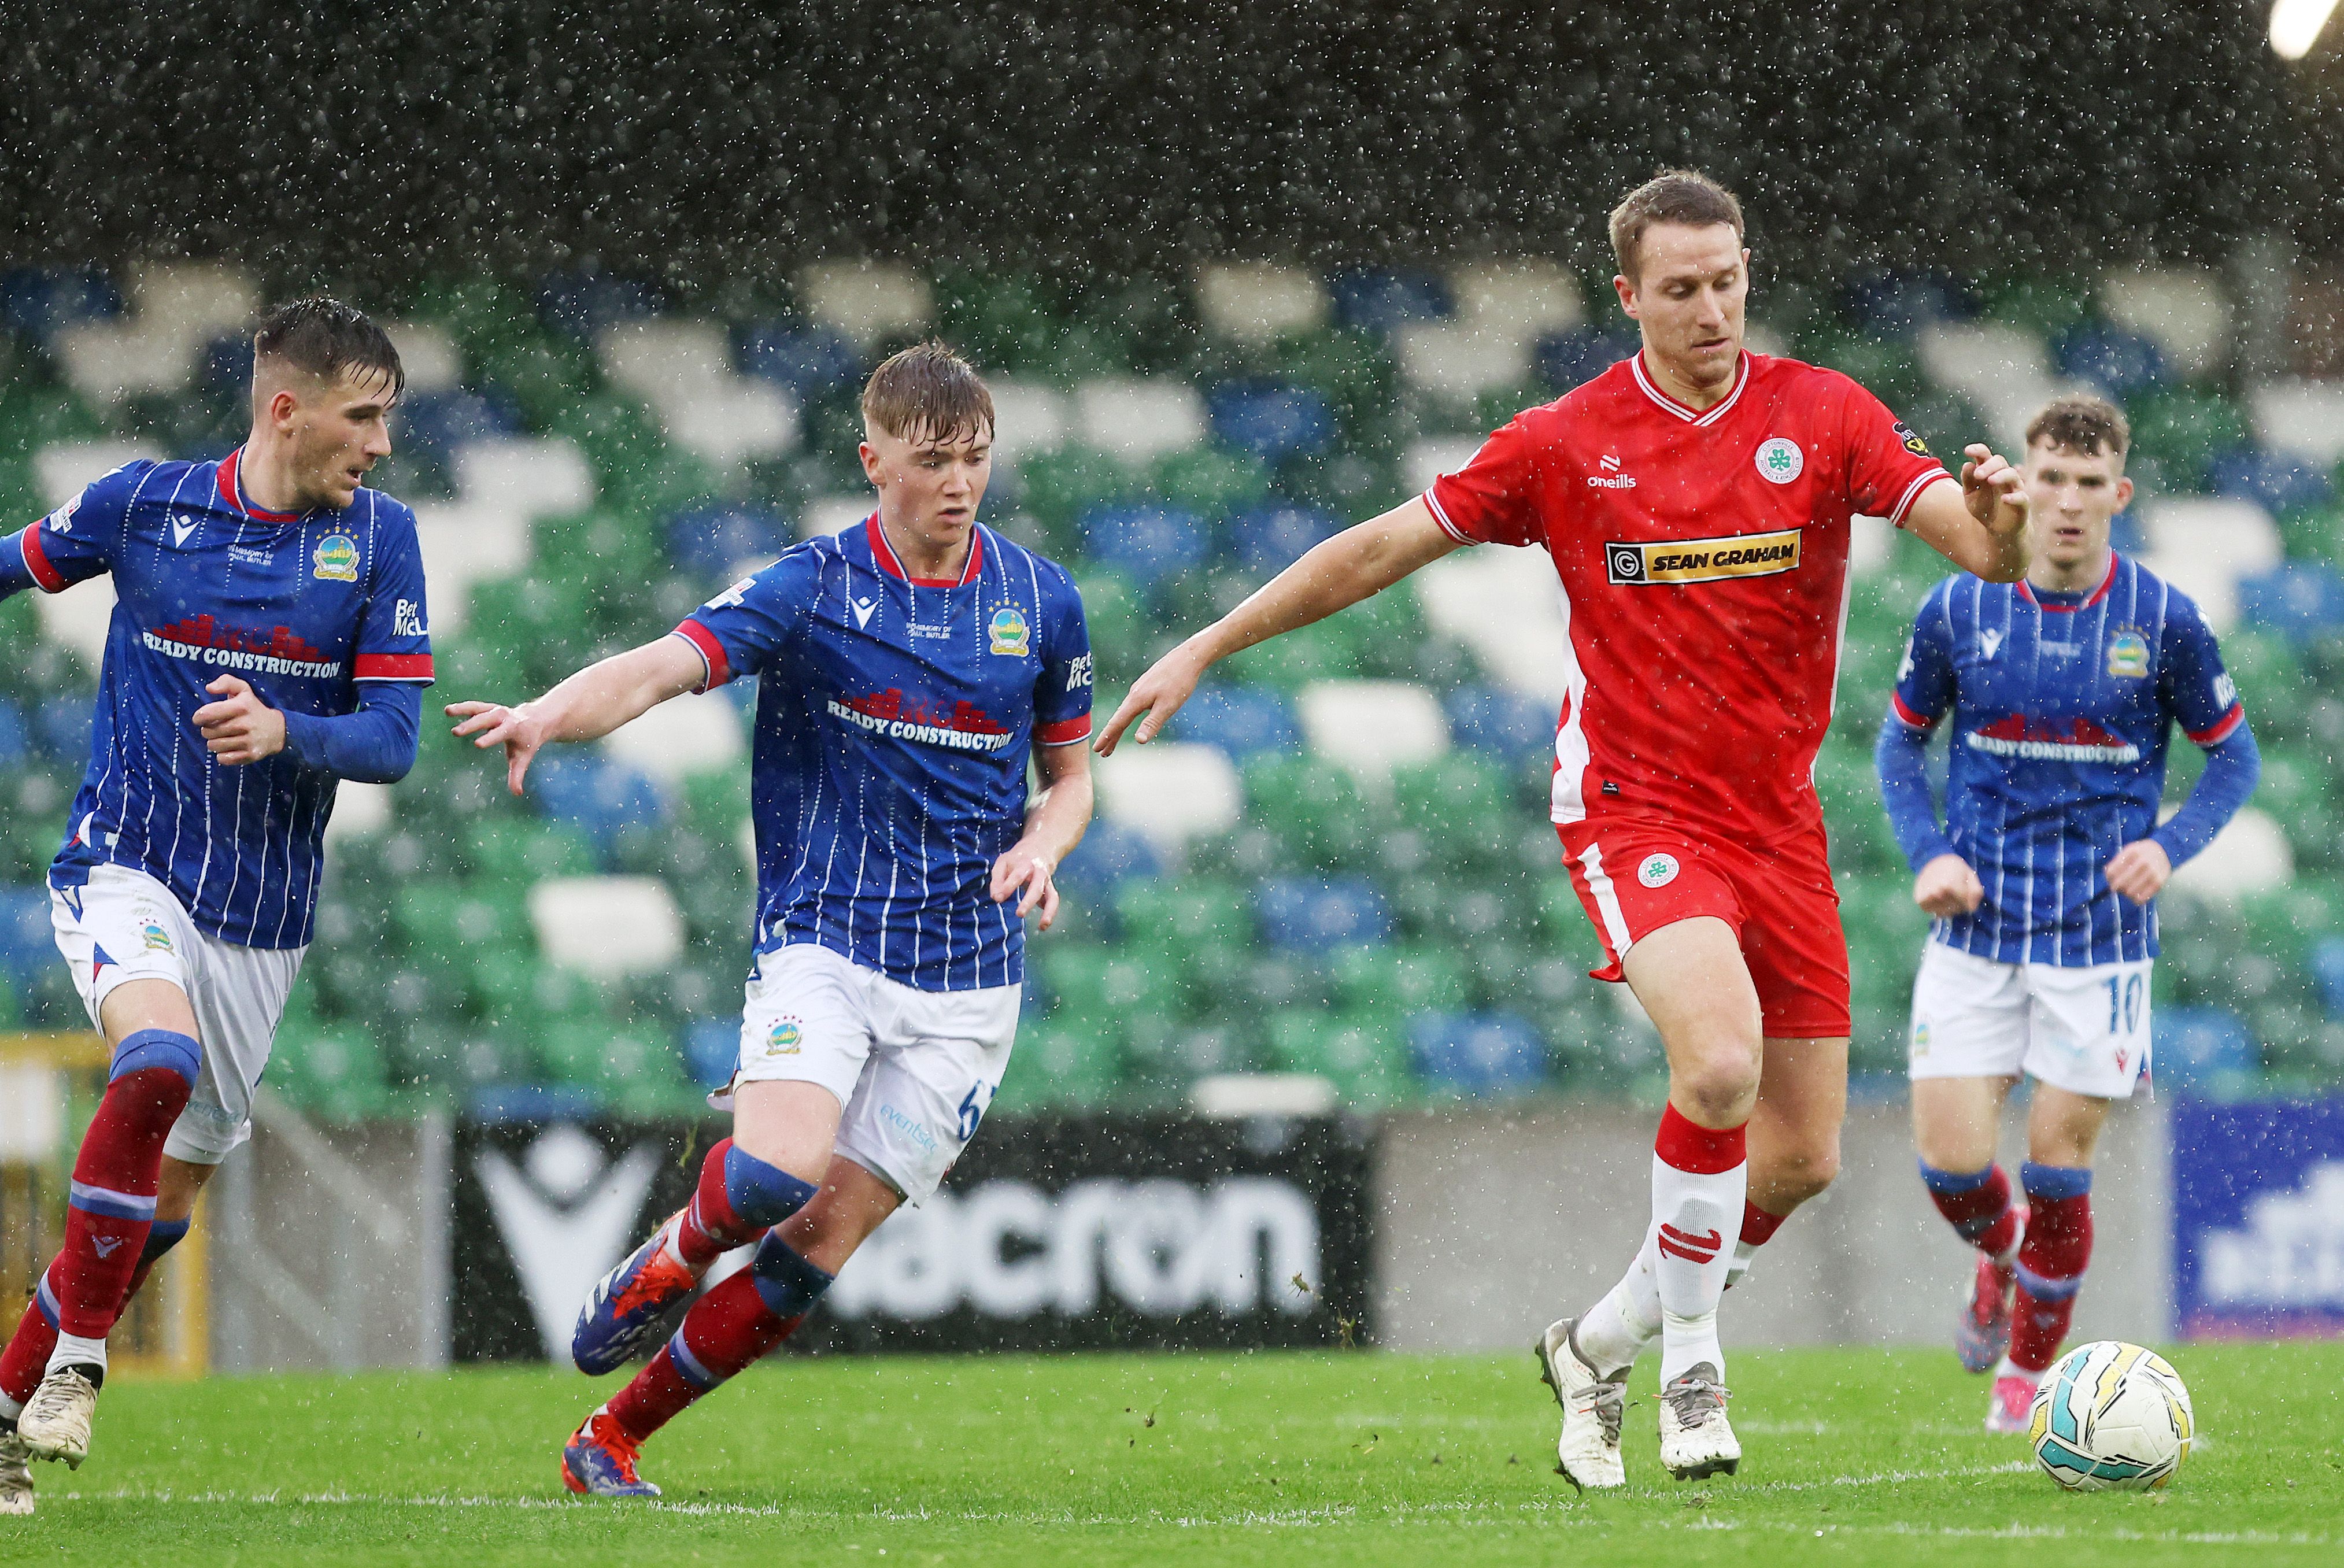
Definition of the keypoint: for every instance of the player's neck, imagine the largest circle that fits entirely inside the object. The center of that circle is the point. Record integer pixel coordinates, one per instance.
(920, 558)
(1693, 397)
(264, 477)
(2080, 578)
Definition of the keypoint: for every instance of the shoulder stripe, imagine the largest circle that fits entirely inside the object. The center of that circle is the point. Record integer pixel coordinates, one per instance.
(712, 652)
(2221, 728)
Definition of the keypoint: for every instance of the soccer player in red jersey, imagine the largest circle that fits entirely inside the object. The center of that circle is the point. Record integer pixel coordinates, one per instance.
(1694, 502)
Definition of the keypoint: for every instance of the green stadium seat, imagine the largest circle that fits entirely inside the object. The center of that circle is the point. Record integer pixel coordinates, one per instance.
(1062, 1062)
(335, 1072)
(1319, 810)
(1388, 984)
(1366, 1058)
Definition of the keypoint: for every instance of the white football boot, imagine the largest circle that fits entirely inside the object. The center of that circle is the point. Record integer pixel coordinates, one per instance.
(1587, 1455)
(15, 1475)
(1696, 1440)
(55, 1423)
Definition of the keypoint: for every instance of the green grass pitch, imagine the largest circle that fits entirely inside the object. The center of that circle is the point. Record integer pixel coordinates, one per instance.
(1852, 1457)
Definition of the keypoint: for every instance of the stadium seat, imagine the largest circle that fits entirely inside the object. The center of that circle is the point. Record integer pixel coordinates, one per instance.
(361, 810)
(1147, 543)
(1028, 417)
(683, 370)
(28, 941)
(1899, 303)
(803, 359)
(2302, 600)
(868, 302)
(2283, 483)
(1245, 722)
(680, 738)
(2328, 971)
(464, 544)
(65, 469)
(1505, 606)
(15, 736)
(2206, 547)
(1271, 421)
(1367, 1062)
(1319, 915)
(2302, 418)
(534, 476)
(596, 796)
(832, 514)
(1509, 725)
(112, 362)
(1529, 295)
(614, 926)
(39, 302)
(1138, 417)
(1270, 539)
(2122, 364)
(79, 620)
(1427, 461)
(2251, 853)
(427, 353)
(656, 357)
(1109, 856)
(2182, 309)
(1371, 727)
(1458, 361)
(440, 421)
(2004, 371)
(1477, 1053)
(2192, 1045)
(718, 540)
(1580, 354)
(1374, 300)
(1258, 301)
(1387, 986)
(582, 304)
(1170, 791)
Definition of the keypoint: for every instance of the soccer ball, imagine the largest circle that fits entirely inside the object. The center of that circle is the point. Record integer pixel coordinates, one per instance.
(2110, 1417)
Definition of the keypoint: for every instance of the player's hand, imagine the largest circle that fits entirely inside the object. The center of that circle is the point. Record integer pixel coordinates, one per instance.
(1947, 886)
(2139, 870)
(239, 728)
(1994, 492)
(1030, 874)
(1169, 681)
(518, 730)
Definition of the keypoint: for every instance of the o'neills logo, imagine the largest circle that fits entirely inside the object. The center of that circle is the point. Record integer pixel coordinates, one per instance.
(1703, 559)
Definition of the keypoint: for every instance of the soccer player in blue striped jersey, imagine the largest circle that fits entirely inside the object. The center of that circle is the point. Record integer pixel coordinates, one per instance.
(2063, 690)
(907, 670)
(268, 640)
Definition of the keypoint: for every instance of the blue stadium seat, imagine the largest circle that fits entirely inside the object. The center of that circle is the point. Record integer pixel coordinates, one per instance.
(15, 740)
(1478, 1053)
(39, 302)
(1148, 543)
(1313, 914)
(2279, 483)
(1270, 539)
(440, 421)
(1902, 302)
(28, 941)
(1109, 856)
(536, 1104)
(807, 360)
(596, 796)
(2193, 1043)
(1512, 724)
(1580, 354)
(1380, 301)
(2126, 536)
(583, 303)
(715, 538)
(1269, 419)
(1243, 720)
(2122, 362)
(225, 366)
(2301, 599)
(2328, 970)
(712, 1050)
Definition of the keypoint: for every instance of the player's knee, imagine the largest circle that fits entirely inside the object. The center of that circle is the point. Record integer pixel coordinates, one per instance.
(762, 1193)
(1717, 1086)
(148, 1048)
(1803, 1170)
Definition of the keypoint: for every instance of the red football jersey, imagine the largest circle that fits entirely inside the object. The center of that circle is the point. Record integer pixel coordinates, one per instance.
(1703, 560)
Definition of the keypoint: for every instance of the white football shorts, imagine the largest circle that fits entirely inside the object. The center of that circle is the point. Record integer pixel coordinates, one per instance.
(914, 1070)
(123, 925)
(2081, 1028)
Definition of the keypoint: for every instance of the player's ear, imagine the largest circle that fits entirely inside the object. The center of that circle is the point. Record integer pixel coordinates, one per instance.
(870, 456)
(1627, 292)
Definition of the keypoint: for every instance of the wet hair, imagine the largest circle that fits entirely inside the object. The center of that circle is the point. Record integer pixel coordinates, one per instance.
(928, 392)
(1674, 195)
(327, 339)
(2082, 424)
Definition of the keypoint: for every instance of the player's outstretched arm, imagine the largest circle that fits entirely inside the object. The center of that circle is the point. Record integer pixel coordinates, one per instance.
(587, 706)
(1029, 868)
(1984, 530)
(1356, 564)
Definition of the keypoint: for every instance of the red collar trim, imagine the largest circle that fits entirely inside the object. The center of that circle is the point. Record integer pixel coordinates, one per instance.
(1708, 415)
(886, 556)
(232, 492)
(2026, 591)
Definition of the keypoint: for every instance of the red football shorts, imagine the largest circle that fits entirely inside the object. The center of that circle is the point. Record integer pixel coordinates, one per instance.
(1636, 874)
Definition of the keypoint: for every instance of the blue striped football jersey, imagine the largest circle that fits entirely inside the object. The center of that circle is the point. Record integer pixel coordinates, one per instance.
(305, 608)
(2061, 706)
(894, 719)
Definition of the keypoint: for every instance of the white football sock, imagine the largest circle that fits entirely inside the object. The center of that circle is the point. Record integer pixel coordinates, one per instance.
(1615, 1330)
(1696, 1217)
(74, 1352)
(1745, 1254)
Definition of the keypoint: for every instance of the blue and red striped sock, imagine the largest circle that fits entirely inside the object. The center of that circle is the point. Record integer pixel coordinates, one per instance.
(727, 1329)
(2051, 1261)
(739, 1197)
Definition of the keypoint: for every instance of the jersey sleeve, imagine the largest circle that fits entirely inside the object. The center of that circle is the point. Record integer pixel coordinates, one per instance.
(745, 628)
(1490, 501)
(1924, 680)
(394, 640)
(77, 542)
(2198, 693)
(1062, 694)
(1888, 464)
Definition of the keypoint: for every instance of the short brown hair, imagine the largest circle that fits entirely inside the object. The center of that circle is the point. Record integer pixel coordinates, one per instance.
(1672, 196)
(2083, 424)
(928, 392)
(324, 338)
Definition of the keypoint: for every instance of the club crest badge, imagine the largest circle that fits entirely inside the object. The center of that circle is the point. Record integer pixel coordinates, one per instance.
(1780, 461)
(1658, 870)
(1008, 630)
(336, 558)
(2128, 654)
(786, 1039)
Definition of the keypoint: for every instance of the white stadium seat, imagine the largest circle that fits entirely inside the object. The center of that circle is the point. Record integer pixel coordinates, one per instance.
(1256, 301)
(657, 357)
(2182, 309)
(1530, 297)
(676, 739)
(2204, 547)
(1506, 606)
(1425, 461)
(429, 356)
(683, 370)
(1027, 418)
(1169, 792)
(535, 476)
(1140, 417)
(607, 926)
(361, 811)
(829, 514)
(464, 542)
(194, 299)
(65, 470)
(866, 301)
(1871, 544)
(2304, 418)
(1458, 361)
(108, 361)
(2005, 371)
(2250, 855)
(1371, 727)
(80, 617)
